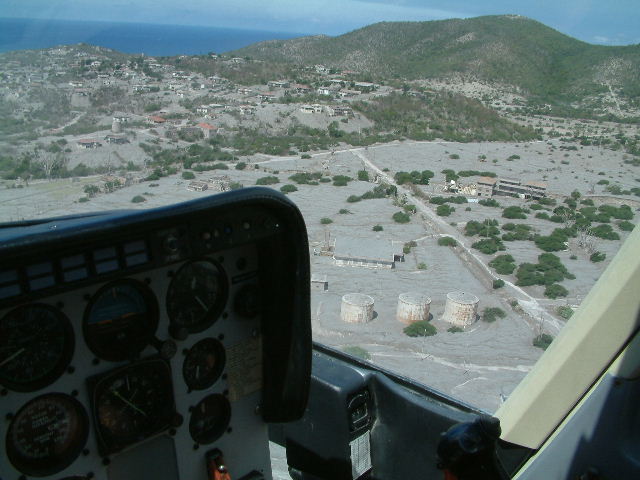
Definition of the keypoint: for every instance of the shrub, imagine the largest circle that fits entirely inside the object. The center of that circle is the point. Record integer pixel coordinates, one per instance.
(288, 188)
(454, 329)
(489, 202)
(444, 210)
(415, 177)
(499, 283)
(91, 190)
(138, 199)
(555, 290)
(488, 228)
(503, 264)
(241, 166)
(83, 199)
(343, 211)
(325, 221)
(420, 329)
(454, 156)
(625, 226)
(401, 217)
(377, 228)
(565, 312)
(513, 212)
(363, 175)
(547, 271)
(447, 242)
(353, 198)
(409, 208)
(357, 351)
(188, 175)
(324, 180)
(305, 156)
(488, 245)
(341, 180)
(605, 231)
(235, 185)
(422, 266)
(542, 341)
(491, 314)
(597, 257)
(270, 180)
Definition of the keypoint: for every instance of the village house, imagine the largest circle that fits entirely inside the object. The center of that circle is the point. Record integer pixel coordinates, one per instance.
(324, 91)
(157, 119)
(247, 109)
(88, 143)
(302, 89)
(278, 84)
(208, 130)
(345, 92)
(266, 96)
(116, 139)
(244, 91)
(197, 186)
(339, 110)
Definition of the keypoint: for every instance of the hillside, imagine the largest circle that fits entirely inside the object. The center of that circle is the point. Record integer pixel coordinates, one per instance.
(508, 49)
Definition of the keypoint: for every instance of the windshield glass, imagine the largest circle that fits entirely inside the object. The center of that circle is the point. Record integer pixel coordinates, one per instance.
(464, 181)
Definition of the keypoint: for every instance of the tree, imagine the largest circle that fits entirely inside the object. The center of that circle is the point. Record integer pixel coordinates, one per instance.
(188, 175)
(363, 175)
(444, 210)
(555, 290)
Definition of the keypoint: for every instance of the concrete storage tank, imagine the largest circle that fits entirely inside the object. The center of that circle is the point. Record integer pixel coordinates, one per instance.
(461, 309)
(356, 308)
(412, 307)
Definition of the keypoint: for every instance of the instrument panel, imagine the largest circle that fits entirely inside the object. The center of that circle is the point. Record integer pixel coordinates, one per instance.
(153, 369)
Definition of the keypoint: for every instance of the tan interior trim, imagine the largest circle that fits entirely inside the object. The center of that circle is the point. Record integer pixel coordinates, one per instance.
(580, 354)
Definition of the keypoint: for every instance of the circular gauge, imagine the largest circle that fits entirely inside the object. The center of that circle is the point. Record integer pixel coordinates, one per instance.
(203, 364)
(132, 403)
(209, 419)
(36, 345)
(47, 434)
(196, 295)
(120, 320)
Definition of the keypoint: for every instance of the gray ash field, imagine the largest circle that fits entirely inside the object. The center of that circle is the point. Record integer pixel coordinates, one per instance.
(480, 365)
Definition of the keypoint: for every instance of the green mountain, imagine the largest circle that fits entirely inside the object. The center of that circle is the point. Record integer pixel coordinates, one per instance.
(508, 49)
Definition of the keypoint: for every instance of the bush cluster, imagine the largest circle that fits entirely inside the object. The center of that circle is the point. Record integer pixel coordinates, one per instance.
(444, 210)
(548, 271)
(401, 217)
(304, 178)
(270, 180)
(415, 177)
(447, 242)
(489, 246)
(503, 264)
(516, 231)
(420, 329)
(488, 228)
(513, 212)
(491, 314)
(489, 202)
(597, 257)
(442, 200)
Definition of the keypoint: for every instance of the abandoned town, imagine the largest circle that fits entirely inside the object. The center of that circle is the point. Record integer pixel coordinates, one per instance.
(453, 226)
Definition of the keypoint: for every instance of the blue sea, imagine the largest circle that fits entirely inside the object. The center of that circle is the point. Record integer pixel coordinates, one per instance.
(158, 40)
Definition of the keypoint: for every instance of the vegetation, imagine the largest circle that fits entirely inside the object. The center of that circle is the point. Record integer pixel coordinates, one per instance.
(138, 199)
(377, 228)
(401, 217)
(489, 246)
(186, 175)
(516, 231)
(488, 228)
(513, 212)
(503, 264)
(325, 221)
(363, 175)
(357, 351)
(304, 178)
(489, 202)
(597, 257)
(415, 177)
(422, 266)
(498, 283)
(270, 180)
(542, 341)
(444, 210)
(420, 329)
(547, 271)
(288, 188)
(447, 242)
(442, 200)
(491, 314)
(565, 312)
(555, 290)
(455, 329)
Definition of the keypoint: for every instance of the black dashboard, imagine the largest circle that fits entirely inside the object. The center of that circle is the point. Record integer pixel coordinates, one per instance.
(153, 344)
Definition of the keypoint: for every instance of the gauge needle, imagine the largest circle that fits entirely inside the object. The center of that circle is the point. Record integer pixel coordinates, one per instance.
(202, 304)
(11, 357)
(117, 394)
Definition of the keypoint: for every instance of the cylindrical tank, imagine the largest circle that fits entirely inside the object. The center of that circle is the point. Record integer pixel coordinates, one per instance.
(356, 308)
(461, 309)
(115, 126)
(412, 307)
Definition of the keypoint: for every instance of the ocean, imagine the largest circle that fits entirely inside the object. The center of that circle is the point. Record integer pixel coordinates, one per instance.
(157, 40)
